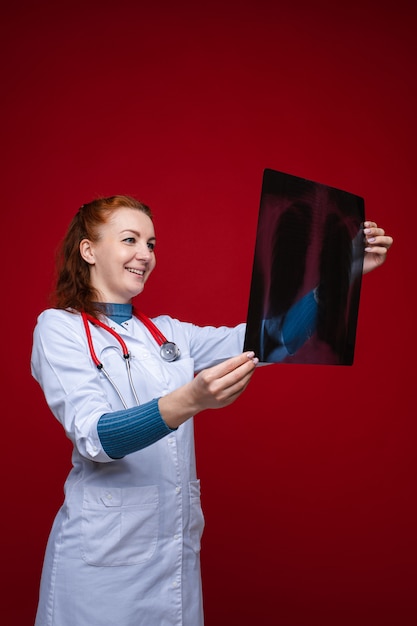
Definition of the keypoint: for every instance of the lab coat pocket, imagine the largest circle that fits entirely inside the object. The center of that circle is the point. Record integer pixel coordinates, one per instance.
(119, 525)
(196, 516)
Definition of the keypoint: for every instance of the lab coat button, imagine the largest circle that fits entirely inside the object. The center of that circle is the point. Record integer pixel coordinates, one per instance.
(175, 584)
(177, 489)
(109, 496)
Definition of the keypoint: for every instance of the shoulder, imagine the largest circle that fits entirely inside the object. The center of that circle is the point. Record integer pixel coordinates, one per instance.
(172, 325)
(165, 321)
(50, 316)
(57, 321)
(172, 329)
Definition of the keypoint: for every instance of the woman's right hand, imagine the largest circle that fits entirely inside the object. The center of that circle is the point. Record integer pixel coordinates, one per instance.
(212, 388)
(222, 384)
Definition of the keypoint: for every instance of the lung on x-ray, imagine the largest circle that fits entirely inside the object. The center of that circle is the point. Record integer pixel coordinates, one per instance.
(307, 272)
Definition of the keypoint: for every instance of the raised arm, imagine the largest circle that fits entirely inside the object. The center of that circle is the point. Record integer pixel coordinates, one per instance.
(212, 388)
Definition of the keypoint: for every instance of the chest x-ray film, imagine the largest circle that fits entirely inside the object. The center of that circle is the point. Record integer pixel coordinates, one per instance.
(307, 272)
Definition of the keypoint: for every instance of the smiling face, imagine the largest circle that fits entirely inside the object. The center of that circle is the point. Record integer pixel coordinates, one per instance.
(122, 257)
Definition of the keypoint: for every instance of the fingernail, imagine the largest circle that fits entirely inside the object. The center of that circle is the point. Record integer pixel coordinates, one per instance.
(371, 239)
(250, 355)
(367, 231)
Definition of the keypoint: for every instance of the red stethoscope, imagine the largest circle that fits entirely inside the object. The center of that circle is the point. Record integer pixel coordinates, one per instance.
(169, 350)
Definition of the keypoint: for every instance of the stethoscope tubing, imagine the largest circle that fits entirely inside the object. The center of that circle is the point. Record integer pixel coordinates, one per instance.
(96, 322)
(169, 351)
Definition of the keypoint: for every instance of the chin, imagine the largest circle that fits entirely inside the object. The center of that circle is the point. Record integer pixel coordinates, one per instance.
(137, 293)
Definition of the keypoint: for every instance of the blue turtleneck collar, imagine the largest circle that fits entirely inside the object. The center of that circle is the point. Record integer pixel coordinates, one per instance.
(119, 313)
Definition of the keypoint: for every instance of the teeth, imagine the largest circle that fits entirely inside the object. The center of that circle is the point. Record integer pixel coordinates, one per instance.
(139, 272)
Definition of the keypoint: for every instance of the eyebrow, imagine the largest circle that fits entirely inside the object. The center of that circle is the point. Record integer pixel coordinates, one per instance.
(137, 233)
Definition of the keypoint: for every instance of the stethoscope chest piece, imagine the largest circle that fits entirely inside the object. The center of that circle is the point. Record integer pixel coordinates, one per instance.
(169, 351)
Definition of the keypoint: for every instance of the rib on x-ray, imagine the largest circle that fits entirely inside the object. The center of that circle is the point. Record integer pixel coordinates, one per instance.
(307, 272)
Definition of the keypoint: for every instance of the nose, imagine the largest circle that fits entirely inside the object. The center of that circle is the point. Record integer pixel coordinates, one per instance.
(143, 252)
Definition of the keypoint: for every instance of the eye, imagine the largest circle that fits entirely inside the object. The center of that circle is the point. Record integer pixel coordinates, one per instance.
(151, 245)
(129, 240)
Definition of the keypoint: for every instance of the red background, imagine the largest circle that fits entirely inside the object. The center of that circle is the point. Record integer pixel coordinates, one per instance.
(309, 480)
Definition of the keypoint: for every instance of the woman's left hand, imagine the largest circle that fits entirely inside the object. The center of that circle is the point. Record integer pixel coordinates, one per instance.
(377, 244)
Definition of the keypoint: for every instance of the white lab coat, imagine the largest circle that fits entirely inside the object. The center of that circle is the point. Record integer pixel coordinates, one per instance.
(124, 547)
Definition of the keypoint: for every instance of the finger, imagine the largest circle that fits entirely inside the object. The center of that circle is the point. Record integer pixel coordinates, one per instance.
(224, 368)
(237, 375)
(386, 241)
(377, 250)
(233, 390)
(373, 232)
(231, 382)
(379, 242)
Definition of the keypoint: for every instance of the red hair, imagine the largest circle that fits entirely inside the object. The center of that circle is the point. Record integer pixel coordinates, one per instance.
(73, 286)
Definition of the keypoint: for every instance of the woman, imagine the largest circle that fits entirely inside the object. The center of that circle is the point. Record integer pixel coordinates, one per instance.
(124, 547)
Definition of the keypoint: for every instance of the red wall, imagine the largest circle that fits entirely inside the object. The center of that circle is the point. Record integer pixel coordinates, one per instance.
(309, 480)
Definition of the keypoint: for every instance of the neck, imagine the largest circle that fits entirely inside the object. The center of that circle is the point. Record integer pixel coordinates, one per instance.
(117, 312)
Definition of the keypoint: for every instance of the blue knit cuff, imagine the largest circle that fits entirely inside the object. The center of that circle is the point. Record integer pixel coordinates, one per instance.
(130, 430)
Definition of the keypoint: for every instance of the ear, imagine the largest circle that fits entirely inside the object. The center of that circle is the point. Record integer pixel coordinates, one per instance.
(86, 251)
